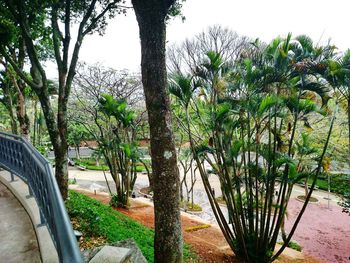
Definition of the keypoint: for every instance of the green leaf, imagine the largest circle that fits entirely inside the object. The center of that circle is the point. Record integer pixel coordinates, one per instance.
(292, 171)
(202, 149)
(235, 148)
(300, 176)
(267, 103)
(122, 106)
(221, 112)
(127, 149)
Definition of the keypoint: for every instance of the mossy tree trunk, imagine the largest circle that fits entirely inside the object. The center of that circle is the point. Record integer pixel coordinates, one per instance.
(151, 16)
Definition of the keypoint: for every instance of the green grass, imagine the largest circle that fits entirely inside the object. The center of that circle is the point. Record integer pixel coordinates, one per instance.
(97, 219)
(90, 164)
(340, 184)
(188, 205)
(293, 245)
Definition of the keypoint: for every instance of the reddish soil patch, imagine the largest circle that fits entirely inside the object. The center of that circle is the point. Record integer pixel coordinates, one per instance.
(323, 232)
(208, 243)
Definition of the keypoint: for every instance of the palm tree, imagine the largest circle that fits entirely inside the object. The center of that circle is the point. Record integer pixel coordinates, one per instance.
(244, 121)
(118, 145)
(338, 76)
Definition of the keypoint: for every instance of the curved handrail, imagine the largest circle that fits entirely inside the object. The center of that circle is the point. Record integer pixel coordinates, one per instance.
(20, 157)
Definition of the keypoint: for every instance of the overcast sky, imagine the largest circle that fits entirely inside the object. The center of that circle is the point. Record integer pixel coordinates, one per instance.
(119, 48)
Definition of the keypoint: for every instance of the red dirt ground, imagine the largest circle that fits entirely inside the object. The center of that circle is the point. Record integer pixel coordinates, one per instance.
(323, 232)
(209, 243)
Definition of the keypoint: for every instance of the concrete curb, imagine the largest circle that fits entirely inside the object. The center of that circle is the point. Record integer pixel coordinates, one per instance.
(20, 190)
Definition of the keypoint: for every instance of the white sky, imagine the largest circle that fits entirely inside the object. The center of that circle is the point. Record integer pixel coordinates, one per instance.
(119, 48)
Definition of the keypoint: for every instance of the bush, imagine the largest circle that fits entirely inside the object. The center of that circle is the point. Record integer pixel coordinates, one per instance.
(90, 164)
(345, 203)
(340, 184)
(195, 228)
(117, 202)
(190, 207)
(295, 245)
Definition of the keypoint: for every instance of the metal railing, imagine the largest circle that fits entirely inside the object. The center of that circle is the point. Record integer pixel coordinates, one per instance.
(19, 157)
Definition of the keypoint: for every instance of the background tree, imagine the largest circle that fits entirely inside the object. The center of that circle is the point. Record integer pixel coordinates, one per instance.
(186, 162)
(151, 17)
(36, 19)
(5, 125)
(185, 57)
(339, 75)
(119, 145)
(100, 104)
(77, 133)
(8, 100)
(97, 79)
(15, 46)
(16, 94)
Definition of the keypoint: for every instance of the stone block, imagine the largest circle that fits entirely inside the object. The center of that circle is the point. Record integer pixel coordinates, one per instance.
(109, 254)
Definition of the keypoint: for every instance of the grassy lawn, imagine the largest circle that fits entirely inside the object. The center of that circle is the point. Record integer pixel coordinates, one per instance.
(96, 219)
(90, 164)
(339, 184)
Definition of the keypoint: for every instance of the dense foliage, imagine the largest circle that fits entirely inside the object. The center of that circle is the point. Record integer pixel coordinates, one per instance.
(345, 203)
(339, 183)
(250, 122)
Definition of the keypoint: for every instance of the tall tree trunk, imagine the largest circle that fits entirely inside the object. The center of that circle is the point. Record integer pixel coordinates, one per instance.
(35, 120)
(77, 152)
(149, 174)
(61, 169)
(14, 128)
(22, 116)
(23, 119)
(166, 182)
(58, 139)
(8, 103)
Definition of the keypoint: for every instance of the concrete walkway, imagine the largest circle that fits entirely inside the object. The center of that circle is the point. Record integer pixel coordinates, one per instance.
(18, 242)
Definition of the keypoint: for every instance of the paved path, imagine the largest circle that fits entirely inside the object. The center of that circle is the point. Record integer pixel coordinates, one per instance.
(18, 241)
(95, 180)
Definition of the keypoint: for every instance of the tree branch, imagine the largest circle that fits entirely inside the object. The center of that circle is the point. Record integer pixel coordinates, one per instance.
(31, 50)
(95, 20)
(77, 46)
(168, 3)
(67, 38)
(17, 69)
(56, 36)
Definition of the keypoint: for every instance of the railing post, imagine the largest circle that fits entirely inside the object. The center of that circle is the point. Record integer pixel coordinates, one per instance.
(12, 177)
(30, 192)
(42, 219)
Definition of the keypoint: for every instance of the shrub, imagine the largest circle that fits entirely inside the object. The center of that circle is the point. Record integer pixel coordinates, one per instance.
(295, 245)
(191, 207)
(195, 228)
(339, 184)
